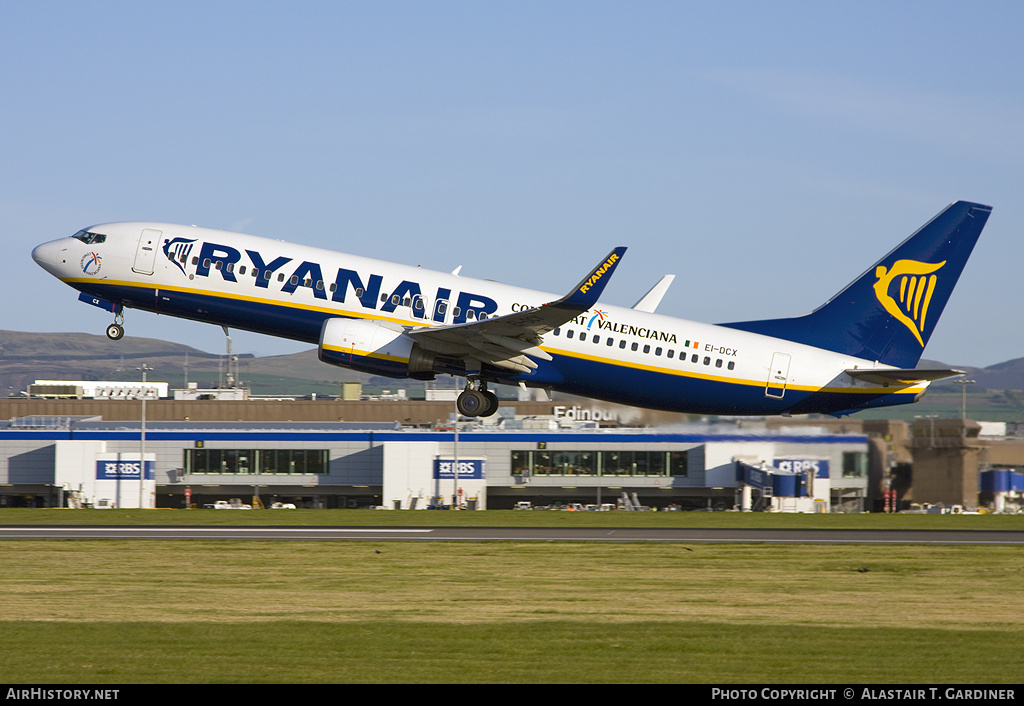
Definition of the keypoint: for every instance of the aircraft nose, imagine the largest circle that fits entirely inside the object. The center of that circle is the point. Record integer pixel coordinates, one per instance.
(48, 256)
(41, 254)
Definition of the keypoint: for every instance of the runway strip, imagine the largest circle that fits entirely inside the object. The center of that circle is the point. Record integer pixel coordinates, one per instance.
(514, 534)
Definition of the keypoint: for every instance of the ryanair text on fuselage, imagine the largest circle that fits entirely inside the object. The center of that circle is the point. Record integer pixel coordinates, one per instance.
(467, 306)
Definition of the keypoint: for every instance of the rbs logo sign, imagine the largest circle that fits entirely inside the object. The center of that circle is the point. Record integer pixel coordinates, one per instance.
(121, 470)
(819, 467)
(444, 469)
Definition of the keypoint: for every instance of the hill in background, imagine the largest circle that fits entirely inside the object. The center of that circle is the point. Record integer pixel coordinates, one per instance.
(25, 357)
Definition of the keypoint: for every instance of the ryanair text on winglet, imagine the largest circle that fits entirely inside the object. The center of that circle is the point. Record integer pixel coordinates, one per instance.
(605, 266)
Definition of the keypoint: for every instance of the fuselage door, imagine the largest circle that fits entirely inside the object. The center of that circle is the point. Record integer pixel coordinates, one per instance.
(145, 254)
(778, 375)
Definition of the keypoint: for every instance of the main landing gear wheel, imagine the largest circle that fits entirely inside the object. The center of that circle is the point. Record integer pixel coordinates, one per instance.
(477, 403)
(492, 404)
(471, 403)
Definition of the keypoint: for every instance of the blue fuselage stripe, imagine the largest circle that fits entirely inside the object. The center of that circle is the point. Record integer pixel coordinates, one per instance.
(600, 379)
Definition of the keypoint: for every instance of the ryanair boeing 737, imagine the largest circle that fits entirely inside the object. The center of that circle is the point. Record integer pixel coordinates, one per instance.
(856, 351)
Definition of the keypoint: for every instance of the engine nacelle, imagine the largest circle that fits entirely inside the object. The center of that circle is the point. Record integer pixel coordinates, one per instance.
(373, 347)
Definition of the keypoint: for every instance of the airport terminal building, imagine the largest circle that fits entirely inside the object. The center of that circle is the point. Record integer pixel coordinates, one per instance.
(87, 461)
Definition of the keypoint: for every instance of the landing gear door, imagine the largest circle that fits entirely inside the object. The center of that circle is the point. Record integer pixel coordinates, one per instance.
(778, 375)
(145, 254)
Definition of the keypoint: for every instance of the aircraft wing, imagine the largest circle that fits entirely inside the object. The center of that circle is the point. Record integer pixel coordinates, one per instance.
(511, 341)
(902, 376)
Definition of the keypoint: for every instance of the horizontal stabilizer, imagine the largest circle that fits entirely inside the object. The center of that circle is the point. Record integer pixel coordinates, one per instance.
(893, 376)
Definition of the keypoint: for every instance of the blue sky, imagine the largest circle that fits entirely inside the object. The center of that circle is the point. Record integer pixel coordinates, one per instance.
(764, 153)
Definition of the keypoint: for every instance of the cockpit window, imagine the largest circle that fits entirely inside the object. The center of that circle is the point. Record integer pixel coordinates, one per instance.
(89, 238)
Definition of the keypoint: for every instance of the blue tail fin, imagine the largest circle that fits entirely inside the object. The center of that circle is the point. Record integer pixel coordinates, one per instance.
(888, 313)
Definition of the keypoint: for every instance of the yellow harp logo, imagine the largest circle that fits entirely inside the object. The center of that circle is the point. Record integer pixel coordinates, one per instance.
(915, 283)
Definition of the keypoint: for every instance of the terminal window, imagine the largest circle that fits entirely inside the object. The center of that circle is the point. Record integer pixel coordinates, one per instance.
(257, 461)
(855, 464)
(600, 463)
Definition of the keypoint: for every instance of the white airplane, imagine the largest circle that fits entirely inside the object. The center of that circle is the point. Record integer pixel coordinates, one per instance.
(856, 351)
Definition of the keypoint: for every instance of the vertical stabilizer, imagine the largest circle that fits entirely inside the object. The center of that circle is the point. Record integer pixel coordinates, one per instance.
(888, 313)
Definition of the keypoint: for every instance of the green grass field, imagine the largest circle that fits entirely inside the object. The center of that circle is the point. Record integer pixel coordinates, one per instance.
(505, 518)
(121, 612)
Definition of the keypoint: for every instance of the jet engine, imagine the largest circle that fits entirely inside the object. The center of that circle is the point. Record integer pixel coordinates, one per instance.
(374, 347)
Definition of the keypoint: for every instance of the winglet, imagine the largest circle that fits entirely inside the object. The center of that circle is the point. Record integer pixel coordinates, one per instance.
(649, 302)
(585, 294)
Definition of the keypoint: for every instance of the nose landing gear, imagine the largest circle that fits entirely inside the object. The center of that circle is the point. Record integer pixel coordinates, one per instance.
(115, 332)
